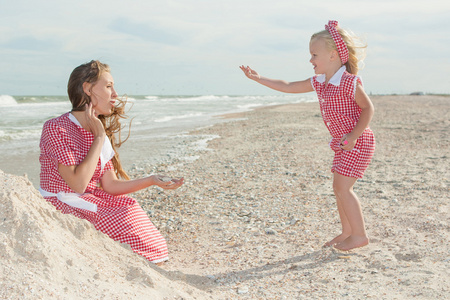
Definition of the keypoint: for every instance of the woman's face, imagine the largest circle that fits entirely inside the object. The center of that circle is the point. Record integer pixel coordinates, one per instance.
(103, 95)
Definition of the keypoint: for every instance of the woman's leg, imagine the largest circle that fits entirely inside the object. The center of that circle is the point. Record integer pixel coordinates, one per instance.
(130, 224)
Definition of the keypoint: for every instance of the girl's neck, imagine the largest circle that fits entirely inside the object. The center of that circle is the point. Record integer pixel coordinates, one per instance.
(331, 71)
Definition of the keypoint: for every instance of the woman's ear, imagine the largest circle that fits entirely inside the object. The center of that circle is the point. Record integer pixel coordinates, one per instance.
(87, 88)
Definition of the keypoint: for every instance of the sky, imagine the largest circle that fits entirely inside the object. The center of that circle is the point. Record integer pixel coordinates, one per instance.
(194, 47)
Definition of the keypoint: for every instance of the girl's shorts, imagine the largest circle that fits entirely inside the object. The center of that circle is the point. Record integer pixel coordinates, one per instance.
(353, 163)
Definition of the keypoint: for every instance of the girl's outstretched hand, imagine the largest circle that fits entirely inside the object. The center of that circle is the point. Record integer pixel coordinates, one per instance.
(250, 73)
(168, 183)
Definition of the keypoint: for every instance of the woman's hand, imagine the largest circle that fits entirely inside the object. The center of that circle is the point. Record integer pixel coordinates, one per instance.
(94, 124)
(77, 177)
(347, 143)
(250, 73)
(167, 183)
(114, 186)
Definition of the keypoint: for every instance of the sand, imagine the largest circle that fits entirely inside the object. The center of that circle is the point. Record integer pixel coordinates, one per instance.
(48, 255)
(253, 215)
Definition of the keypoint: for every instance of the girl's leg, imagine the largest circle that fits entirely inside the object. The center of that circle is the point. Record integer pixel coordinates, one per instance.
(351, 209)
(346, 229)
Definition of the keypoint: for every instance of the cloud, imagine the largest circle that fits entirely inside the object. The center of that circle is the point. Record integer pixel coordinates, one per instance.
(30, 43)
(149, 31)
(183, 44)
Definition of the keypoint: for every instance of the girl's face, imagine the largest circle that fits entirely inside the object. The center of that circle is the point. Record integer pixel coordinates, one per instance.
(321, 56)
(103, 95)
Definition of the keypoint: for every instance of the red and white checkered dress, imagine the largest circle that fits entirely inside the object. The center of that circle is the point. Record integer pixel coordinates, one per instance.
(340, 113)
(120, 217)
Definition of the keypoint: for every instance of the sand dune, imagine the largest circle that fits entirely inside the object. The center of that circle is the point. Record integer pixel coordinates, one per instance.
(48, 255)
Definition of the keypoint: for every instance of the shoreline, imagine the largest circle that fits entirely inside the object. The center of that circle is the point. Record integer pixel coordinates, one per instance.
(148, 146)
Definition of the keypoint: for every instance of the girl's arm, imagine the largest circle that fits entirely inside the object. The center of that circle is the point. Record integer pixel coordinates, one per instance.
(77, 177)
(114, 186)
(367, 108)
(279, 85)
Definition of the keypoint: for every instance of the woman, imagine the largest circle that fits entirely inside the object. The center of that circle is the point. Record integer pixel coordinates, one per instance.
(80, 169)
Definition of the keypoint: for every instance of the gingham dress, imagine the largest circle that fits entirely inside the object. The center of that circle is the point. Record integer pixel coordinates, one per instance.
(120, 217)
(340, 113)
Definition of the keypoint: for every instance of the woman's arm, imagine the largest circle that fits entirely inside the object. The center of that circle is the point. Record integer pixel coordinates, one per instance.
(114, 186)
(77, 177)
(279, 85)
(367, 111)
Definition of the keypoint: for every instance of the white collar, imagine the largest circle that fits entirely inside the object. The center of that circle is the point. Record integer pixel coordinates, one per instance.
(73, 119)
(107, 150)
(335, 80)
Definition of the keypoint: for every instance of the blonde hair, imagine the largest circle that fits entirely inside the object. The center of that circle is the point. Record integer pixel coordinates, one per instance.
(91, 72)
(356, 48)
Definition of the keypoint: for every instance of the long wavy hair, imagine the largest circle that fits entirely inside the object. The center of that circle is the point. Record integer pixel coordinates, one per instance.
(90, 72)
(356, 48)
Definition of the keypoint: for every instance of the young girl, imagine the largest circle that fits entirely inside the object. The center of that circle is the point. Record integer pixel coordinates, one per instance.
(80, 168)
(346, 112)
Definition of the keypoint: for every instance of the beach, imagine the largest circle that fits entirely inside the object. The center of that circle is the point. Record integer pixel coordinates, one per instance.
(252, 217)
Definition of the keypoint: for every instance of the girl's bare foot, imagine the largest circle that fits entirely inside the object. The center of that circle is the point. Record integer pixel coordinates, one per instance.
(352, 242)
(336, 240)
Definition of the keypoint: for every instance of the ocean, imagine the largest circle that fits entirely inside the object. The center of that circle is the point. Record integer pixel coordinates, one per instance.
(159, 125)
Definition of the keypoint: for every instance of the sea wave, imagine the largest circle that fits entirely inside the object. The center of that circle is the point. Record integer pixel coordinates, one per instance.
(151, 97)
(6, 100)
(10, 135)
(178, 117)
(186, 98)
(249, 106)
(203, 98)
(21, 123)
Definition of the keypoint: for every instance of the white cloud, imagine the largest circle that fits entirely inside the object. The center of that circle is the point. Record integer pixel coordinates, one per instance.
(195, 46)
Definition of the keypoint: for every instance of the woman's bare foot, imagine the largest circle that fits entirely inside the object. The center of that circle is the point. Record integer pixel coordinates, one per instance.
(352, 242)
(336, 240)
